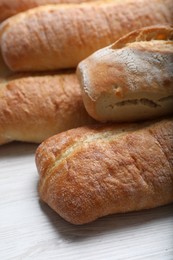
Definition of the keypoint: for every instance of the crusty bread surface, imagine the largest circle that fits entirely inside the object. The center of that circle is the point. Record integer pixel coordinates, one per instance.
(66, 34)
(131, 79)
(11, 7)
(4, 70)
(33, 107)
(90, 172)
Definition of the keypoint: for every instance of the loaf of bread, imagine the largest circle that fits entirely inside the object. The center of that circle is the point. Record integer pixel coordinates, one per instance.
(34, 107)
(131, 79)
(11, 7)
(90, 172)
(60, 36)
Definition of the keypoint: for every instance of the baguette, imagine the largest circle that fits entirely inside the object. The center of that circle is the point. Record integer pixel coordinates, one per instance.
(132, 79)
(11, 7)
(34, 107)
(90, 172)
(66, 34)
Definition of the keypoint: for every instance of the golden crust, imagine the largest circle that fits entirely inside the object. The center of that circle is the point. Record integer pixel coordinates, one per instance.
(11, 7)
(4, 71)
(131, 79)
(25, 37)
(90, 172)
(34, 107)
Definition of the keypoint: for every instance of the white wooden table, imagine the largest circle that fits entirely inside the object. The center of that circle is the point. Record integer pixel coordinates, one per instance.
(29, 229)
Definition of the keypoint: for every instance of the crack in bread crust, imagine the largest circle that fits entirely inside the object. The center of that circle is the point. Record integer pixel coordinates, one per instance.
(143, 101)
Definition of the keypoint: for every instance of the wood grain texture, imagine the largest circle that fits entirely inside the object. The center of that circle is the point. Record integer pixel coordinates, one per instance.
(31, 230)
